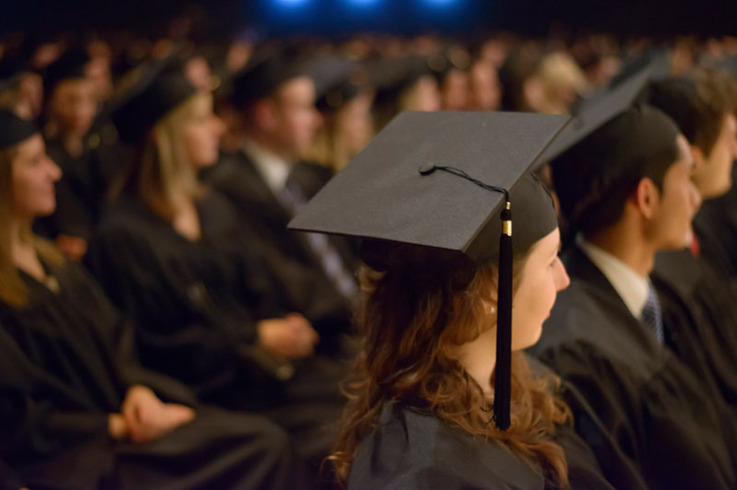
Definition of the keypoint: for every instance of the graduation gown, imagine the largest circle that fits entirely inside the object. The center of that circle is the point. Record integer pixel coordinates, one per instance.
(66, 363)
(653, 407)
(413, 450)
(700, 320)
(82, 189)
(715, 226)
(196, 304)
(292, 261)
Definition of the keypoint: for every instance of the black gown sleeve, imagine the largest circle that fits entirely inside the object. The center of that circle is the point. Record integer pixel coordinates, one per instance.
(180, 330)
(38, 415)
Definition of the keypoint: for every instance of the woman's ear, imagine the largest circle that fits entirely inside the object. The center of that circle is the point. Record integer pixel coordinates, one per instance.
(646, 198)
(491, 302)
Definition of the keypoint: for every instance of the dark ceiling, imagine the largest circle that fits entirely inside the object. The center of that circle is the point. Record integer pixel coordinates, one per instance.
(339, 17)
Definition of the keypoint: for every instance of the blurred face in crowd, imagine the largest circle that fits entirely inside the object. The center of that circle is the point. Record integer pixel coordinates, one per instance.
(354, 122)
(676, 205)
(294, 119)
(423, 95)
(713, 173)
(201, 133)
(33, 177)
(73, 106)
(455, 91)
(30, 89)
(486, 91)
(198, 72)
(98, 73)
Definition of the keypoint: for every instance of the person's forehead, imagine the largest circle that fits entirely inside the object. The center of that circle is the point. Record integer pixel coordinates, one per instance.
(30, 147)
(73, 85)
(297, 85)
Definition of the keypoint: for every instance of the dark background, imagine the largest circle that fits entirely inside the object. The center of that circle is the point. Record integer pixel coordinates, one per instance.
(335, 18)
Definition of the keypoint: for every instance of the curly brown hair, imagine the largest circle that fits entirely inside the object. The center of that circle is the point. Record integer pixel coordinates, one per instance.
(411, 317)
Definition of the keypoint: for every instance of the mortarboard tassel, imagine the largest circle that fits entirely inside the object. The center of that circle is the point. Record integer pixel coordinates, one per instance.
(503, 369)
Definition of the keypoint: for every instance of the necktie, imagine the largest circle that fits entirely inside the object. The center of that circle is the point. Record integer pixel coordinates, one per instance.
(291, 197)
(651, 314)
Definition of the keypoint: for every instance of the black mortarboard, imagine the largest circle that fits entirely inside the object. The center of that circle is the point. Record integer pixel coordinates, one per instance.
(70, 66)
(335, 82)
(654, 58)
(156, 92)
(268, 69)
(608, 159)
(328, 72)
(443, 180)
(13, 129)
(594, 113)
(679, 98)
(12, 67)
(391, 76)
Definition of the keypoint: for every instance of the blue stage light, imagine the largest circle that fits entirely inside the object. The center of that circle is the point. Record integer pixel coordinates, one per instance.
(441, 3)
(291, 3)
(362, 3)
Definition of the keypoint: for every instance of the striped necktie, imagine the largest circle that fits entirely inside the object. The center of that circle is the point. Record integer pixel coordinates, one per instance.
(292, 198)
(652, 315)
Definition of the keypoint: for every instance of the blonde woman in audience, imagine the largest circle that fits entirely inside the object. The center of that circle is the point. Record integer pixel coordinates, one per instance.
(77, 410)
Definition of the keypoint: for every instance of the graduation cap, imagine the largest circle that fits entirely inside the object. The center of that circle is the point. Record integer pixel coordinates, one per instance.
(336, 81)
(391, 76)
(654, 58)
(267, 70)
(605, 149)
(447, 181)
(12, 67)
(154, 92)
(594, 113)
(70, 66)
(679, 98)
(13, 129)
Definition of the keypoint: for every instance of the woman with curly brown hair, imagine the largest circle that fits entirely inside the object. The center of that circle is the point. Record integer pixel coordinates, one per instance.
(436, 285)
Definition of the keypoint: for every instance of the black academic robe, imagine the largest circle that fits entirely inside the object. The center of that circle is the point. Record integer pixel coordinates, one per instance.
(292, 259)
(66, 363)
(651, 404)
(413, 450)
(196, 304)
(82, 189)
(76, 195)
(700, 320)
(715, 226)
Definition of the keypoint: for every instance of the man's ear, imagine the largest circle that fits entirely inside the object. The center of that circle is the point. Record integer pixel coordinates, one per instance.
(646, 198)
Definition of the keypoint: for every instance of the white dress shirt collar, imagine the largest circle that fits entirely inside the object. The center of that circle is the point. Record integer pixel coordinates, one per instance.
(273, 169)
(630, 286)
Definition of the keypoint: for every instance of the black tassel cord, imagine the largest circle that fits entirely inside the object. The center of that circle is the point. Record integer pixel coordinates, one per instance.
(503, 369)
